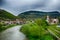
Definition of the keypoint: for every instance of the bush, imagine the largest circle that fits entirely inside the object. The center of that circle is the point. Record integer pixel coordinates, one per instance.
(3, 27)
(47, 37)
(1, 24)
(36, 30)
(31, 29)
(42, 23)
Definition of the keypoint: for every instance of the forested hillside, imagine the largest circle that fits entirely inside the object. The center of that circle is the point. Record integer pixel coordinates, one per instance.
(6, 15)
(39, 14)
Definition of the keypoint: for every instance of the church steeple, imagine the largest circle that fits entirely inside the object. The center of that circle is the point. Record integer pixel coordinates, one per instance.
(48, 18)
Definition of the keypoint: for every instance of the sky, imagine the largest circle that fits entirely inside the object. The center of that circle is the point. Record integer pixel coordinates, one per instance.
(18, 6)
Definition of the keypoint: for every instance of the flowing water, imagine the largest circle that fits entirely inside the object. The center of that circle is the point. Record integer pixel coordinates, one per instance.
(12, 34)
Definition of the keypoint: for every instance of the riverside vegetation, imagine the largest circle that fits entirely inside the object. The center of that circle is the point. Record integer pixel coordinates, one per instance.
(4, 26)
(40, 30)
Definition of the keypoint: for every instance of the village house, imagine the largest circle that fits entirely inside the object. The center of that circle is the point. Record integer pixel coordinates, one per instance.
(17, 21)
(52, 20)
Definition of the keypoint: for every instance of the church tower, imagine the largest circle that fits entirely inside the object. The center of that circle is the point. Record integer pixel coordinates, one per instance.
(48, 19)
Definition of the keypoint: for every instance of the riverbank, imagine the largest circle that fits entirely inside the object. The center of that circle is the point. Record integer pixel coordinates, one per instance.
(2, 28)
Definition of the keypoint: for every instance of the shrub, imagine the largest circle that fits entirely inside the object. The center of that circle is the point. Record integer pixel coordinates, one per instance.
(31, 29)
(42, 23)
(36, 30)
(4, 27)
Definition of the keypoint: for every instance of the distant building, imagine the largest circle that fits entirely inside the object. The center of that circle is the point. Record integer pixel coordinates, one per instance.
(52, 20)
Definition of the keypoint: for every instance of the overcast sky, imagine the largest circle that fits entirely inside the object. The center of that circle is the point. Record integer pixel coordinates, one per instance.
(18, 6)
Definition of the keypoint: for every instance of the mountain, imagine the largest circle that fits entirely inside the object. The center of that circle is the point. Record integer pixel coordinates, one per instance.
(39, 14)
(6, 15)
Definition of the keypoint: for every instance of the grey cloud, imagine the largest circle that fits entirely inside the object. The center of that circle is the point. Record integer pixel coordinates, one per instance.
(18, 6)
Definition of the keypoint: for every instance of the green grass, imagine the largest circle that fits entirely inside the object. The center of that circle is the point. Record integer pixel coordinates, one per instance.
(55, 30)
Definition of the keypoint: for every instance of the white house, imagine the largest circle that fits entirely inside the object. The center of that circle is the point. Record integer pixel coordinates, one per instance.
(52, 20)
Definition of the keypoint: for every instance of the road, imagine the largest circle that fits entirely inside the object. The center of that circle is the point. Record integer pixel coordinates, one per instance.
(12, 34)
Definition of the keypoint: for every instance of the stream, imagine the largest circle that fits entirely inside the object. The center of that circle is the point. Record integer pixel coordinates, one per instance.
(12, 34)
